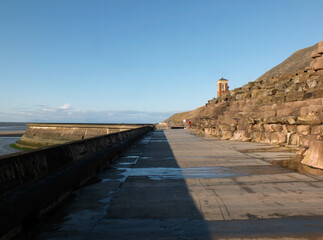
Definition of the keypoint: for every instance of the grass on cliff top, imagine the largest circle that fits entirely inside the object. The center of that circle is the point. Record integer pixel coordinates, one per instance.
(14, 146)
(189, 115)
(179, 117)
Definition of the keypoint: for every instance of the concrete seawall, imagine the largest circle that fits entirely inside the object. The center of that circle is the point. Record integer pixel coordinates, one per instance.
(34, 182)
(40, 135)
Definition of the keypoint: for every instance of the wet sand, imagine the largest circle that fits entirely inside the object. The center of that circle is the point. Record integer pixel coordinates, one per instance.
(12, 134)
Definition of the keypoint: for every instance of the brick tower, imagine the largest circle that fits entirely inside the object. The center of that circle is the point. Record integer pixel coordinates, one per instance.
(223, 87)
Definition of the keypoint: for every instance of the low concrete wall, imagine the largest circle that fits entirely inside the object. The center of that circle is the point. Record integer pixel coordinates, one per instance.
(46, 134)
(34, 182)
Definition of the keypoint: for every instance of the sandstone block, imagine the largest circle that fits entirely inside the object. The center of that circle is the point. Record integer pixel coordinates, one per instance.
(285, 112)
(269, 84)
(297, 79)
(268, 128)
(240, 96)
(290, 120)
(266, 138)
(315, 54)
(213, 122)
(302, 151)
(225, 127)
(267, 99)
(251, 120)
(318, 63)
(258, 127)
(314, 156)
(318, 94)
(216, 132)
(271, 120)
(291, 128)
(242, 126)
(311, 66)
(304, 129)
(208, 131)
(234, 106)
(275, 106)
(311, 110)
(296, 105)
(269, 114)
(312, 83)
(306, 140)
(241, 135)
(255, 115)
(277, 137)
(294, 96)
(279, 98)
(266, 108)
(277, 127)
(211, 131)
(256, 93)
(258, 136)
(317, 130)
(308, 68)
(309, 119)
(243, 121)
(230, 121)
(226, 135)
(269, 92)
(303, 140)
(295, 139)
(320, 47)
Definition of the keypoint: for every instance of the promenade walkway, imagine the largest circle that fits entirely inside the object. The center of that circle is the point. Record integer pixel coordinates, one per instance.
(175, 185)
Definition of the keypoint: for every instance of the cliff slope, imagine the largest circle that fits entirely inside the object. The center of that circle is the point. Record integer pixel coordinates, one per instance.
(297, 61)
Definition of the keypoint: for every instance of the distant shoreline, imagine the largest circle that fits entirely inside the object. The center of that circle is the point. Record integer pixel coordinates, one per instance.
(12, 134)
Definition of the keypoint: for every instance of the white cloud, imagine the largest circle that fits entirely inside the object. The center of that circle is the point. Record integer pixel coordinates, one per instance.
(56, 109)
(49, 109)
(66, 106)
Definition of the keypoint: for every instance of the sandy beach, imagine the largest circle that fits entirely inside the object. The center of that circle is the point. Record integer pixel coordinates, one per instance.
(12, 134)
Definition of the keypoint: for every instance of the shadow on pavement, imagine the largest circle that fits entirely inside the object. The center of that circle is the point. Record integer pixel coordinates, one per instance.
(154, 201)
(143, 195)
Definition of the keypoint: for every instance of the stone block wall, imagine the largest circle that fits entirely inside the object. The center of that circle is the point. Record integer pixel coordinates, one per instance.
(317, 63)
(290, 123)
(286, 110)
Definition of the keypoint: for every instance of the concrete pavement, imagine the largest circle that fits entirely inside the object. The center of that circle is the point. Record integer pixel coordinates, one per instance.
(175, 185)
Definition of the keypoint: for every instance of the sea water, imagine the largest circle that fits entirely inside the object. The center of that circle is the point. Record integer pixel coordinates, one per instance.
(12, 126)
(5, 145)
(6, 141)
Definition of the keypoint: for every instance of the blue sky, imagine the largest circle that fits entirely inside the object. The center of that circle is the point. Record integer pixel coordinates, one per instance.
(139, 60)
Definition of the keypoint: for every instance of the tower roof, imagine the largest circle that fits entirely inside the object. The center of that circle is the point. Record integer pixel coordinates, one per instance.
(223, 79)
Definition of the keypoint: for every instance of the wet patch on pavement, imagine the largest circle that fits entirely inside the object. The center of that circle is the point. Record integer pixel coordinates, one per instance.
(296, 165)
(284, 157)
(161, 173)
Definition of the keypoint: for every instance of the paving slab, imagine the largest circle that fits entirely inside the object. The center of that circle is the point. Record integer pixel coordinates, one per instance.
(176, 185)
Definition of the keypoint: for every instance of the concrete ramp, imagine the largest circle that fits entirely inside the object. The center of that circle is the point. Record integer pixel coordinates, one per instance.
(175, 185)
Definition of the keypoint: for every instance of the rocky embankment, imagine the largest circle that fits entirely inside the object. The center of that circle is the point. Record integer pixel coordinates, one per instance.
(280, 108)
